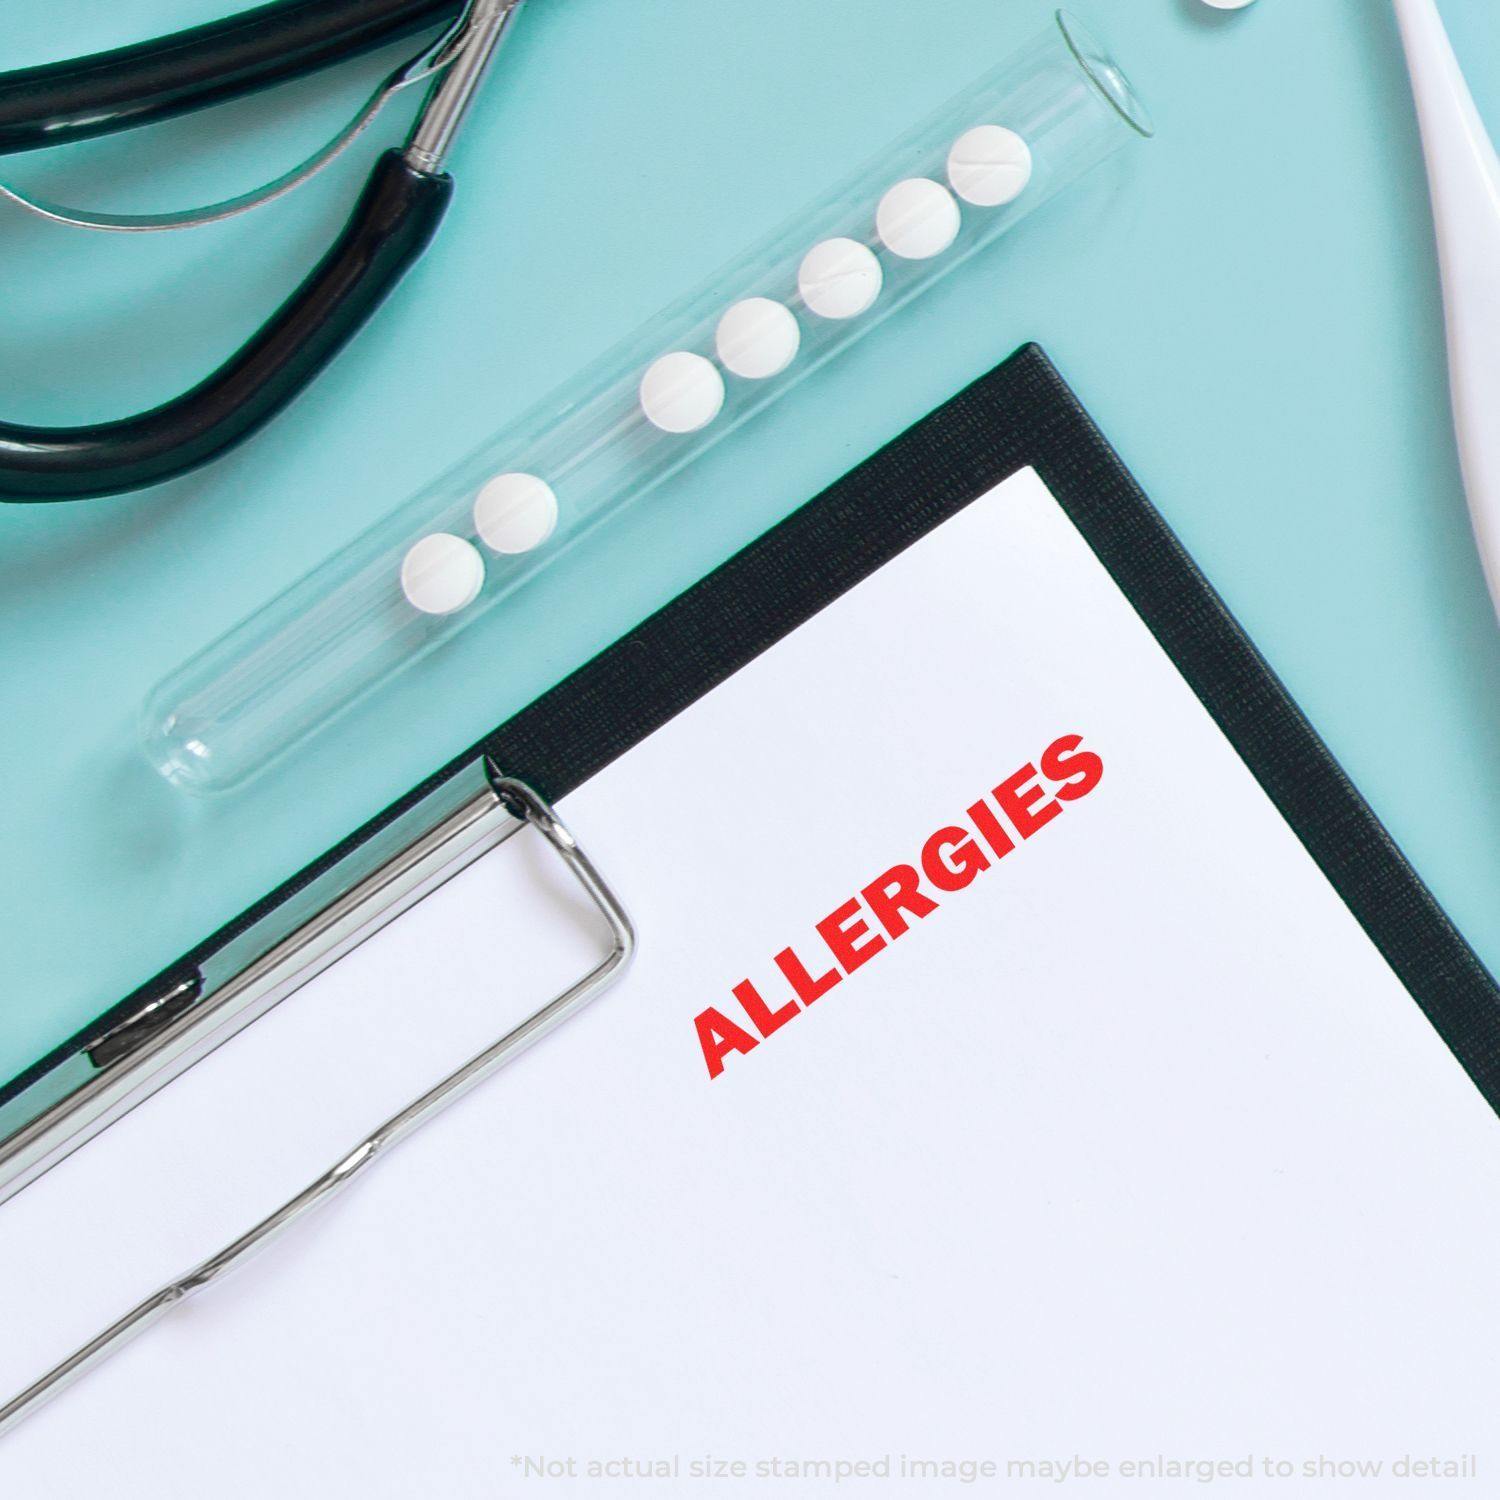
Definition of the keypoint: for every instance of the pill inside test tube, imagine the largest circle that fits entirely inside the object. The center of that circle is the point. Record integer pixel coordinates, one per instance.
(757, 338)
(444, 559)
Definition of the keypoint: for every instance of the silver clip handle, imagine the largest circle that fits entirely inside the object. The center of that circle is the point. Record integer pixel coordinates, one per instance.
(523, 803)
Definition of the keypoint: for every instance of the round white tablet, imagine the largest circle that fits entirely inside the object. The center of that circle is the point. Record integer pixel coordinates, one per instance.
(989, 165)
(441, 573)
(839, 278)
(682, 392)
(757, 338)
(1228, 4)
(917, 219)
(515, 512)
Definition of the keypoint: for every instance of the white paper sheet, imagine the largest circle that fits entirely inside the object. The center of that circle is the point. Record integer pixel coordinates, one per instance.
(1133, 1149)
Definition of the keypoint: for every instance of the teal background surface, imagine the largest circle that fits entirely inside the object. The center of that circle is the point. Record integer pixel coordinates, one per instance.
(1248, 305)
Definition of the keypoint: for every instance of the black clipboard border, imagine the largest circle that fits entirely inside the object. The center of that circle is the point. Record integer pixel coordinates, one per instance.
(1021, 414)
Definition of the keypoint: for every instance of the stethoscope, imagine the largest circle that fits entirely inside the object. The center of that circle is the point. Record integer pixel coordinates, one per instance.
(392, 222)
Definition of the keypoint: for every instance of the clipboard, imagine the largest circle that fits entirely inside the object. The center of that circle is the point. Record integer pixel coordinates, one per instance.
(1020, 415)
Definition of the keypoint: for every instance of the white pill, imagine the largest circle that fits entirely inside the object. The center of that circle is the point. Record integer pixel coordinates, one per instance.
(917, 219)
(839, 278)
(515, 512)
(682, 392)
(989, 165)
(442, 573)
(757, 338)
(1228, 4)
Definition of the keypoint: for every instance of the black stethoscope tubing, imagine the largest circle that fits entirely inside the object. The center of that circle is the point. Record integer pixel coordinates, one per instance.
(392, 222)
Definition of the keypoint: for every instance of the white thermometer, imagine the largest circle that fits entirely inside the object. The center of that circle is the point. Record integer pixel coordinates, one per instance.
(1464, 173)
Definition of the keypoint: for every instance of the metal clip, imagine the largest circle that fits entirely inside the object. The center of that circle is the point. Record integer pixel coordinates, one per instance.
(524, 804)
(139, 1027)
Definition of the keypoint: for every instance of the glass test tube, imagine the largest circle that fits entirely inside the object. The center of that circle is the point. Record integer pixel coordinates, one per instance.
(446, 557)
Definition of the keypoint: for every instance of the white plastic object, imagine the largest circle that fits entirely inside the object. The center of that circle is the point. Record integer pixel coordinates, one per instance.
(1464, 174)
(348, 629)
(441, 573)
(989, 165)
(757, 338)
(917, 219)
(515, 513)
(839, 278)
(681, 392)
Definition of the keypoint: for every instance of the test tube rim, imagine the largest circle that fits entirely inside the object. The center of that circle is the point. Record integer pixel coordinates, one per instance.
(1119, 93)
